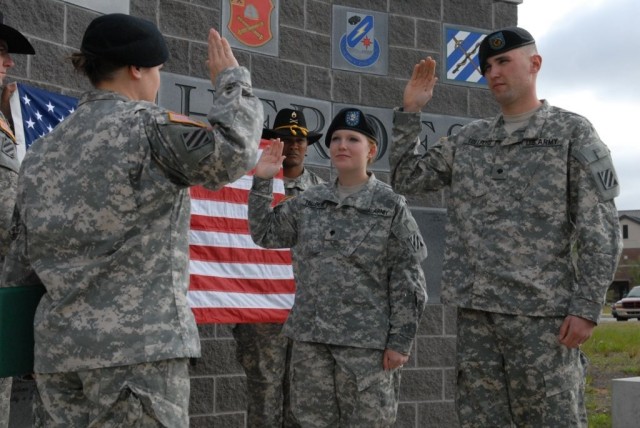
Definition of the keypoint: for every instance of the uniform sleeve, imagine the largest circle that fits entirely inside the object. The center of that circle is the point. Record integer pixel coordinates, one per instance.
(407, 285)
(271, 227)
(8, 184)
(412, 172)
(212, 156)
(17, 269)
(593, 185)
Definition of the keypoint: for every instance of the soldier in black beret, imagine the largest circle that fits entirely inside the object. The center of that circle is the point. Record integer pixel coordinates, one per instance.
(533, 238)
(108, 234)
(11, 42)
(261, 349)
(360, 287)
(353, 119)
(503, 41)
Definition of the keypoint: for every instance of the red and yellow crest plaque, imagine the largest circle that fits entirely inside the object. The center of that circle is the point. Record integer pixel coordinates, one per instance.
(250, 21)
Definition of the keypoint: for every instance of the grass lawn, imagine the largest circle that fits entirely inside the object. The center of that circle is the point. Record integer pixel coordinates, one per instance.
(614, 352)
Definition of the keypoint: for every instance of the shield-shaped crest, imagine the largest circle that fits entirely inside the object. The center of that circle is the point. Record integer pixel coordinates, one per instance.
(250, 21)
(359, 45)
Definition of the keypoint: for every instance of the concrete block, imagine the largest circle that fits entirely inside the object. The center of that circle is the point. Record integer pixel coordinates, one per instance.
(625, 396)
(429, 36)
(201, 401)
(218, 357)
(421, 385)
(432, 323)
(43, 19)
(436, 351)
(187, 21)
(304, 47)
(273, 74)
(431, 222)
(318, 17)
(437, 414)
(231, 394)
(425, 9)
(402, 31)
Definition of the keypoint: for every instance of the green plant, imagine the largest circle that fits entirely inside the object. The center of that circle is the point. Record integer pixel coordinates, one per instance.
(614, 352)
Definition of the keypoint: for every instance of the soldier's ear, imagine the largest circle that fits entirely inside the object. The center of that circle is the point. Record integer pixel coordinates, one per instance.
(134, 72)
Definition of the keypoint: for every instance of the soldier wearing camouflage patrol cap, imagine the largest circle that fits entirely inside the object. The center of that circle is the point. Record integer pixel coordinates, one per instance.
(261, 349)
(360, 291)
(101, 220)
(11, 42)
(532, 243)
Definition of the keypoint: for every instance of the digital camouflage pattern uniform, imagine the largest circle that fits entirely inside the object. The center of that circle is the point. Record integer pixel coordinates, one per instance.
(9, 167)
(103, 215)
(264, 352)
(360, 290)
(519, 206)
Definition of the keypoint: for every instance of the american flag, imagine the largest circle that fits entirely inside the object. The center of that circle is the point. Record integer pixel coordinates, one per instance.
(232, 279)
(36, 112)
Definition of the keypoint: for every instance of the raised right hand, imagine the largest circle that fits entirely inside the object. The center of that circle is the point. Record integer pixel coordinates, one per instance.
(419, 89)
(220, 55)
(270, 161)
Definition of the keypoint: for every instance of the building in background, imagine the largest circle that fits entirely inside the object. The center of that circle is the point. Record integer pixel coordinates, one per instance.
(628, 274)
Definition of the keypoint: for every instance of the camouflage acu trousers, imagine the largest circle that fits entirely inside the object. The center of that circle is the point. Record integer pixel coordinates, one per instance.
(512, 371)
(5, 400)
(338, 386)
(264, 354)
(142, 395)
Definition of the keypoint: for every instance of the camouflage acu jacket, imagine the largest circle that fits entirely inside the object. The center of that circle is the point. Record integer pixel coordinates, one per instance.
(301, 183)
(518, 206)
(9, 167)
(103, 210)
(359, 281)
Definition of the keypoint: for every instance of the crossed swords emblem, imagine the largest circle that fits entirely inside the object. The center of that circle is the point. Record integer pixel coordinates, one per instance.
(248, 27)
(467, 54)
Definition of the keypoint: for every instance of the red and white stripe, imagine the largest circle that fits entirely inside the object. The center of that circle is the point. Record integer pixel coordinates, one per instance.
(232, 279)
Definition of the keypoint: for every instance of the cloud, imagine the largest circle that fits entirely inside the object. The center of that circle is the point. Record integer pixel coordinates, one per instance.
(590, 66)
(594, 47)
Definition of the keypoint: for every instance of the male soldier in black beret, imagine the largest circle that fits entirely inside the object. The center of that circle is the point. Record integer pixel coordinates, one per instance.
(11, 42)
(533, 238)
(262, 350)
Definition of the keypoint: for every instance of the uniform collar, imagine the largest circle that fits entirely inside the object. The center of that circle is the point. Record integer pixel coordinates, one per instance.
(533, 128)
(361, 199)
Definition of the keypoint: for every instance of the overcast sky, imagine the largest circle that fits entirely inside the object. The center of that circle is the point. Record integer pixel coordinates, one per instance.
(590, 65)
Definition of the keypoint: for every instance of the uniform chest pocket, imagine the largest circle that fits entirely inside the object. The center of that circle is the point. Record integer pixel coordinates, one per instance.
(472, 170)
(363, 238)
(507, 172)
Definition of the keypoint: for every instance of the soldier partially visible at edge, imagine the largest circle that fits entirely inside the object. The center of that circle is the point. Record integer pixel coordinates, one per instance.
(532, 243)
(360, 288)
(261, 349)
(11, 42)
(101, 220)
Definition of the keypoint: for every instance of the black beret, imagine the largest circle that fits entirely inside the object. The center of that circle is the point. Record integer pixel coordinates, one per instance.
(502, 41)
(290, 123)
(353, 119)
(125, 39)
(16, 42)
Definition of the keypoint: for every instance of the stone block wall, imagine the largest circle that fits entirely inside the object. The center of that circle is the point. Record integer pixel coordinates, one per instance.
(303, 68)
